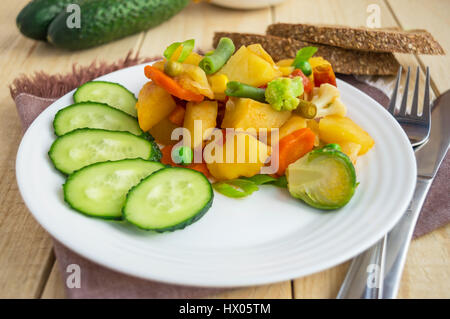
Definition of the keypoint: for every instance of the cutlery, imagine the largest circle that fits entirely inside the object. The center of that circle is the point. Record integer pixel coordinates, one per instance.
(366, 272)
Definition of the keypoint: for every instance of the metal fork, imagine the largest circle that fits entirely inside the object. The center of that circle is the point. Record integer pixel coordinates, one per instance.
(365, 276)
(416, 126)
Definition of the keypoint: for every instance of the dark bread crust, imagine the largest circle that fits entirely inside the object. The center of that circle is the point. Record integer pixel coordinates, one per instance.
(344, 61)
(374, 40)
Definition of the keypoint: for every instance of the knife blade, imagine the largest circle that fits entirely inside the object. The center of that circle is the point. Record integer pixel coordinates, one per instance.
(429, 157)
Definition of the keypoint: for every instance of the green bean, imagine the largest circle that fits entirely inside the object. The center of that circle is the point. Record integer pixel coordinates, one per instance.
(215, 61)
(306, 109)
(239, 89)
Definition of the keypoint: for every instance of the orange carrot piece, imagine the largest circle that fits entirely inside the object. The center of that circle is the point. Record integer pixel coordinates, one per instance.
(324, 74)
(177, 115)
(294, 146)
(170, 85)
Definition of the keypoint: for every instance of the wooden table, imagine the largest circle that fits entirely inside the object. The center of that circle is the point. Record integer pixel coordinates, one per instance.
(27, 265)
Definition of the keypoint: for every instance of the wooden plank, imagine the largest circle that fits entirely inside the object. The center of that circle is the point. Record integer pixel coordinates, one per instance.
(431, 15)
(427, 274)
(200, 21)
(25, 248)
(54, 288)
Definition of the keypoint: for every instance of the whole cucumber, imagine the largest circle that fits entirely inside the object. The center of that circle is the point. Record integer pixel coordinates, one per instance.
(34, 19)
(103, 21)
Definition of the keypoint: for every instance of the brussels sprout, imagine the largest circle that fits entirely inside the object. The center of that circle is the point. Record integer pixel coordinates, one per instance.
(323, 178)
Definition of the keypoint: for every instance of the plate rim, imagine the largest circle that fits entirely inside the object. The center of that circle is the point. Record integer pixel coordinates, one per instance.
(409, 189)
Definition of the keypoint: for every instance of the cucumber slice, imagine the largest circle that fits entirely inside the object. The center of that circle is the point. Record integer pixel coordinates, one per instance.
(324, 178)
(94, 115)
(100, 189)
(85, 146)
(169, 199)
(110, 93)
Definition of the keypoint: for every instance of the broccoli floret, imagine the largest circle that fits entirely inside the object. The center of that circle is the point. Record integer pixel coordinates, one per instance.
(282, 93)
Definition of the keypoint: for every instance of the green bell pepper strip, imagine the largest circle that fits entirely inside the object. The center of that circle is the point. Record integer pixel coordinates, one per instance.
(188, 46)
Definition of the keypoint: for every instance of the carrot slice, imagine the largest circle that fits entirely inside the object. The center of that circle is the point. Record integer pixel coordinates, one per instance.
(170, 85)
(294, 146)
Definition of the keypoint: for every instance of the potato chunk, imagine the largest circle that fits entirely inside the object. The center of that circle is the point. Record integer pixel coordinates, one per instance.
(336, 129)
(206, 112)
(250, 68)
(153, 105)
(246, 113)
(248, 158)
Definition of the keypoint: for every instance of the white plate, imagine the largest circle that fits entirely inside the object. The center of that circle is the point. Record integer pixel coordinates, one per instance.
(264, 238)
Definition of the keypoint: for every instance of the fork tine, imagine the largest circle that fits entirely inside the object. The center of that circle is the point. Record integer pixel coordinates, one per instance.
(415, 100)
(391, 107)
(402, 111)
(426, 112)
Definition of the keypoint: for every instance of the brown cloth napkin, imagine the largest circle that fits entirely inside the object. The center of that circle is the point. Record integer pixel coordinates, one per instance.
(32, 98)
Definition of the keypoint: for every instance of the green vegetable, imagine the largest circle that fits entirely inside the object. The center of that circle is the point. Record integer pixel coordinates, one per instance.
(188, 46)
(306, 109)
(182, 155)
(282, 93)
(86, 146)
(239, 89)
(103, 21)
(304, 54)
(305, 67)
(261, 179)
(244, 186)
(333, 146)
(173, 68)
(236, 188)
(215, 61)
(99, 190)
(323, 178)
(110, 93)
(169, 199)
(35, 18)
(280, 182)
(94, 115)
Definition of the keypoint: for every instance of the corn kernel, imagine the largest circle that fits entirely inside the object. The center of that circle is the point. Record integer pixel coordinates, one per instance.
(218, 83)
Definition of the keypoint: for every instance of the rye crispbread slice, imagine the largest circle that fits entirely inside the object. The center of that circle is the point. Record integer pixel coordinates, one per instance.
(344, 61)
(374, 40)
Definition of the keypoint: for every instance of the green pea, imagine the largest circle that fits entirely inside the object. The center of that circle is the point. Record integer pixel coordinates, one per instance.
(182, 155)
(172, 68)
(305, 67)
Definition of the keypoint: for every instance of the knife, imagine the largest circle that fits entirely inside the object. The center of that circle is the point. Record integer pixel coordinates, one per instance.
(429, 157)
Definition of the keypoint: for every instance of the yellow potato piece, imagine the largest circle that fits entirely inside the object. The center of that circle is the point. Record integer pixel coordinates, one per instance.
(247, 157)
(294, 123)
(162, 132)
(259, 51)
(336, 129)
(193, 58)
(154, 104)
(247, 67)
(351, 150)
(247, 113)
(206, 113)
